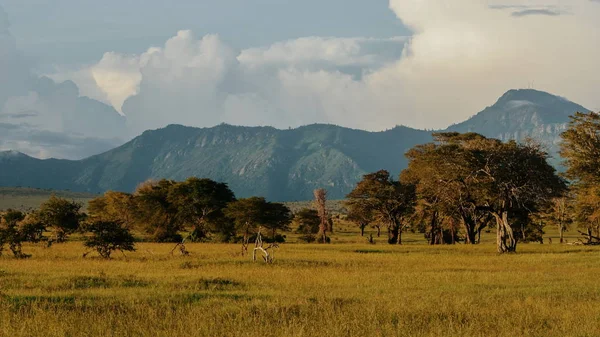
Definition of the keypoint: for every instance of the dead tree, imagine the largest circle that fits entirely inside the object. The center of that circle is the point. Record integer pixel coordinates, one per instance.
(259, 246)
(320, 203)
(591, 239)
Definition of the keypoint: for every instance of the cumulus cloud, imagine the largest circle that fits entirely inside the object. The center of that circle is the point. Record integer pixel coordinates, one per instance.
(46, 119)
(462, 56)
(203, 82)
(465, 53)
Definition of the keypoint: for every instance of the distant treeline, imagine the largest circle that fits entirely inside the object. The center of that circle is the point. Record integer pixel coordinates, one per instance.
(454, 188)
(460, 184)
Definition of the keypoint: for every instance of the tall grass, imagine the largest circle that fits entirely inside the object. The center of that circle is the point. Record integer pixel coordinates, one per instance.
(351, 289)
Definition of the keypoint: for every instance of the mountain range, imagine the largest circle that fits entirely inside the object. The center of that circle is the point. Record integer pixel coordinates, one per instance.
(282, 165)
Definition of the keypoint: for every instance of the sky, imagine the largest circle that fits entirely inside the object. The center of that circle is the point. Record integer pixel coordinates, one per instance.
(78, 77)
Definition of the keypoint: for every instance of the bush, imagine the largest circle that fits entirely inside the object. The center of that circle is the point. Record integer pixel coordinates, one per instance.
(308, 238)
(16, 228)
(108, 236)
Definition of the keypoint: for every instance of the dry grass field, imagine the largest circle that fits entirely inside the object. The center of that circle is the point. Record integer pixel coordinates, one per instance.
(348, 288)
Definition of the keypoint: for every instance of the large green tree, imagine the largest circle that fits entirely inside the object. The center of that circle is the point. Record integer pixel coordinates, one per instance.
(156, 213)
(447, 188)
(199, 204)
(16, 228)
(580, 150)
(250, 214)
(61, 215)
(472, 178)
(115, 207)
(390, 202)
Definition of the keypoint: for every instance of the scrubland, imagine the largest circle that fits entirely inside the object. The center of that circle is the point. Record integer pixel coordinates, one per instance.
(348, 288)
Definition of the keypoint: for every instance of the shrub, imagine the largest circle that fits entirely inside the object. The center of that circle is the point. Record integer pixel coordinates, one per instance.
(108, 236)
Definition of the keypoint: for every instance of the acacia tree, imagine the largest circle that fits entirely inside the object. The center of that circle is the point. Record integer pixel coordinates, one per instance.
(108, 236)
(307, 221)
(580, 149)
(199, 204)
(277, 217)
(62, 215)
(390, 201)
(247, 215)
(15, 228)
(559, 214)
(473, 178)
(155, 213)
(517, 179)
(321, 205)
(360, 215)
(586, 211)
(446, 187)
(114, 206)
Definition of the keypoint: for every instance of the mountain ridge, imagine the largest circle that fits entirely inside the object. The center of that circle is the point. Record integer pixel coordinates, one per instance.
(280, 164)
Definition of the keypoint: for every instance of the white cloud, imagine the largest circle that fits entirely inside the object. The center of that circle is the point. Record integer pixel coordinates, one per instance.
(203, 82)
(463, 55)
(43, 118)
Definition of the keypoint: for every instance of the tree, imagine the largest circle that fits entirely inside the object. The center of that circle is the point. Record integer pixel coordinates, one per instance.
(474, 178)
(155, 213)
(361, 215)
(248, 215)
(277, 217)
(559, 214)
(307, 221)
(446, 187)
(390, 202)
(62, 215)
(321, 205)
(16, 228)
(199, 204)
(114, 206)
(108, 236)
(586, 210)
(580, 149)
(517, 178)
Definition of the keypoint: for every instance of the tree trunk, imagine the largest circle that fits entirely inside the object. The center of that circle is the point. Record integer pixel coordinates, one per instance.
(505, 238)
(470, 229)
(562, 231)
(434, 233)
(394, 234)
(362, 229)
(399, 236)
(378, 230)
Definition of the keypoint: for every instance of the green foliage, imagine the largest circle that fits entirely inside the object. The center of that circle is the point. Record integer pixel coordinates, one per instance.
(62, 215)
(199, 204)
(156, 213)
(473, 179)
(580, 148)
(251, 213)
(108, 236)
(389, 201)
(114, 206)
(307, 221)
(15, 228)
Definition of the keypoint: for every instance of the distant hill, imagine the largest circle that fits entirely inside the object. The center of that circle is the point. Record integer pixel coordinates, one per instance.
(282, 165)
(23, 198)
(521, 114)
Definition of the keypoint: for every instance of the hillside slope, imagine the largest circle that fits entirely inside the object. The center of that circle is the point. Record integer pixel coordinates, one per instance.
(283, 165)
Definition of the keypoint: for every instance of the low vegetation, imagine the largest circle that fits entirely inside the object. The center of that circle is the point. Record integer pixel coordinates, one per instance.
(436, 272)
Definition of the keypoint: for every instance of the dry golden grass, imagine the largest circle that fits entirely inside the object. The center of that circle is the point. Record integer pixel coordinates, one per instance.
(350, 289)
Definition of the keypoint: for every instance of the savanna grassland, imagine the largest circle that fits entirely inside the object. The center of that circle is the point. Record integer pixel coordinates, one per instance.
(347, 288)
